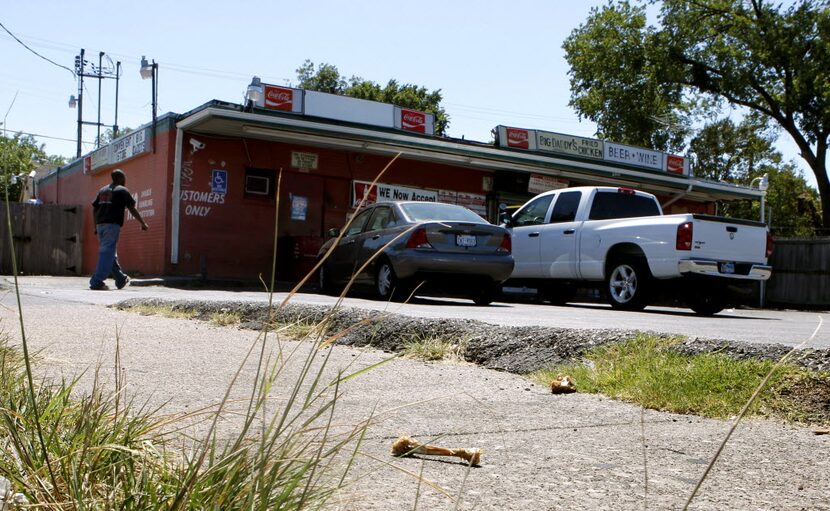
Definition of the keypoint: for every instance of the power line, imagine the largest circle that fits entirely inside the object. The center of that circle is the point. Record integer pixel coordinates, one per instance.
(33, 51)
(49, 137)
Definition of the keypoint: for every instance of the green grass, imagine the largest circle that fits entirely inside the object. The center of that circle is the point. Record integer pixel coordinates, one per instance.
(645, 371)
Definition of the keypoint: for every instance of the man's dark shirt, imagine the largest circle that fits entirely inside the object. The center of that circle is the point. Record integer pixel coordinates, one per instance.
(110, 203)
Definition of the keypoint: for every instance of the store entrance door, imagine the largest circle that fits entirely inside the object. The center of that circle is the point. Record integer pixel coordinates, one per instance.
(300, 224)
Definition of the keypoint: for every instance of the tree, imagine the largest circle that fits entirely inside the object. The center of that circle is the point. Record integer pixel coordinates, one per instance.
(723, 151)
(614, 69)
(19, 155)
(327, 78)
(707, 54)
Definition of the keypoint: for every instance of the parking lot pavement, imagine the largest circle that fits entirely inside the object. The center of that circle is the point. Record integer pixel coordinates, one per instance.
(751, 325)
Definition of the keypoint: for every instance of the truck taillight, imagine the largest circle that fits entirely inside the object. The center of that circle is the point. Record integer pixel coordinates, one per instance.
(506, 244)
(627, 191)
(418, 239)
(684, 236)
(769, 244)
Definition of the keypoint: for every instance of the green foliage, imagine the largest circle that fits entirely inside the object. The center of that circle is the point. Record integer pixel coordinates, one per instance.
(615, 80)
(19, 155)
(723, 151)
(327, 78)
(768, 59)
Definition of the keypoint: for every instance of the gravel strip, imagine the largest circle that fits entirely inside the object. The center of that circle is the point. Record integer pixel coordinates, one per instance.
(517, 350)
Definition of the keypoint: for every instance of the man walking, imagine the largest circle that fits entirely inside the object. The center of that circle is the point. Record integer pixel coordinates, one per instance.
(108, 210)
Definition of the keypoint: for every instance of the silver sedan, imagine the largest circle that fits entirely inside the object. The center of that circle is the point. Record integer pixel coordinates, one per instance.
(421, 247)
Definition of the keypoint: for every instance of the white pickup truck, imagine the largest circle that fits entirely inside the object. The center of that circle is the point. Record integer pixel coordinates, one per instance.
(619, 238)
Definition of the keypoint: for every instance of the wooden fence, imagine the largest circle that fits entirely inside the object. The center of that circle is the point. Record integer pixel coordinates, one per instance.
(800, 273)
(47, 239)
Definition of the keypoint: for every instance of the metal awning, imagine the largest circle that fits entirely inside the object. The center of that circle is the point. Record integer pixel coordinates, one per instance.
(230, 121)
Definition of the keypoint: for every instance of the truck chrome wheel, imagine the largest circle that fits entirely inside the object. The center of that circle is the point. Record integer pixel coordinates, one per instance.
(626, 285)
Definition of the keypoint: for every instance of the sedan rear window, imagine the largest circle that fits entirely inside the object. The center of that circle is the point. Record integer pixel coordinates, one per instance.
(424, 211)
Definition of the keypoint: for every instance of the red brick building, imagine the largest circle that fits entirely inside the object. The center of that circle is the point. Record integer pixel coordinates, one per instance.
(206, 181)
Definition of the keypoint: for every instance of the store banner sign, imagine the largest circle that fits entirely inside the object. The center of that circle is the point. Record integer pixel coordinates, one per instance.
(412, 120)
(131, 145)
(539, 183)
(676, 165)
(301, 160)
(634, 156)
(567, 144)
(286, 99)
(386, 193)
(517, 138)
(123, 148)
(472, 201)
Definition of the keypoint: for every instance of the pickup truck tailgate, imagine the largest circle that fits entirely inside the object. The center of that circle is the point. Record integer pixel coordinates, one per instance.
(729, 239)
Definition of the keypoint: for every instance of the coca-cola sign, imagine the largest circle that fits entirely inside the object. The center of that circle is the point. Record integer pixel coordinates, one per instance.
(675, 164)
(518, 138)
(412, 120)
(279, 98)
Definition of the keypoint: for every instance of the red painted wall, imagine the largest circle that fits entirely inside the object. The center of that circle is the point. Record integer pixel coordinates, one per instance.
(149, 182)
(233, 235)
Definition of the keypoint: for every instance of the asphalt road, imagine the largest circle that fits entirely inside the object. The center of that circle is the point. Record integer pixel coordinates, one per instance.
(763, 326)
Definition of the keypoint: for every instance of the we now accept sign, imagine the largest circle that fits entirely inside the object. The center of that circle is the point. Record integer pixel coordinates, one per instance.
(386, 193)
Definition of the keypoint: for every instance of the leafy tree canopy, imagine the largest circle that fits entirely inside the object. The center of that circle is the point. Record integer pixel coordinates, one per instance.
(724, 151)
(327, 78)
(19, 155)
(641, 83)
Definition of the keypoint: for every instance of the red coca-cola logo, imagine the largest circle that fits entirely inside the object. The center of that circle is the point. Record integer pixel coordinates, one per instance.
(279, 98)
(674, 164)
(518, 138)
(413, 120)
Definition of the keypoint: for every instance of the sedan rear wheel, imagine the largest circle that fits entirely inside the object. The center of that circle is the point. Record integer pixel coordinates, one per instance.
(327, 287)
(386, 281)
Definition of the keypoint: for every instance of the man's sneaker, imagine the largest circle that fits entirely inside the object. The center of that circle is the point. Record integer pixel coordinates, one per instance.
(123, 283)
(100, 287)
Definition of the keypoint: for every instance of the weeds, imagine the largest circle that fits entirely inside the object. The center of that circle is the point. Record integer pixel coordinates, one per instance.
(646, 371)
(225, 318)
(168, 311)
(431, 349)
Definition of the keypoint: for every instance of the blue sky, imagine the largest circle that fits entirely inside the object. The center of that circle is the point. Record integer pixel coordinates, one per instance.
(495, 62)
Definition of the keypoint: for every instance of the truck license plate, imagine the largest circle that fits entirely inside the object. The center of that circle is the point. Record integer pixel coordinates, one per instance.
(727, 268)
(465, 240)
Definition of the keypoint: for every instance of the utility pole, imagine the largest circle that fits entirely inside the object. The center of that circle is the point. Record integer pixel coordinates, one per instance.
(98, 73)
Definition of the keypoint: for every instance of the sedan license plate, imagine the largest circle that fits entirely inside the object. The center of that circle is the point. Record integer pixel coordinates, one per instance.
(465, 240)
(727, 268)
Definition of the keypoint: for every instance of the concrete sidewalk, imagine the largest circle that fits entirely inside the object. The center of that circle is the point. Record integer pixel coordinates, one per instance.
(541, 451)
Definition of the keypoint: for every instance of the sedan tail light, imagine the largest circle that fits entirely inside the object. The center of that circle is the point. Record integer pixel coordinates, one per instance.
(418, 239)
(506, 246)
(684, 236)
(769, 244)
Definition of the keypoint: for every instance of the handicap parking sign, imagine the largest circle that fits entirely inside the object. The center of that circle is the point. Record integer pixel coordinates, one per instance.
(219, 181)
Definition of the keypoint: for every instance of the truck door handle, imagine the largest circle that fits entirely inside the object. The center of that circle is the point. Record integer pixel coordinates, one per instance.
(731, 229)
(533, 235)
(350, 242)
(569, 231)
(376, 236)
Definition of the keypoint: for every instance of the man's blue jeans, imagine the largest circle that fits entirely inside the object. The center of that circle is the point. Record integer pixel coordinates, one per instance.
(107, 256)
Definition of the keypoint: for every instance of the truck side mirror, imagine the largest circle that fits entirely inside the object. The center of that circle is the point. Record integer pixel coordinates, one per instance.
(333, 232)
(505, 219)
